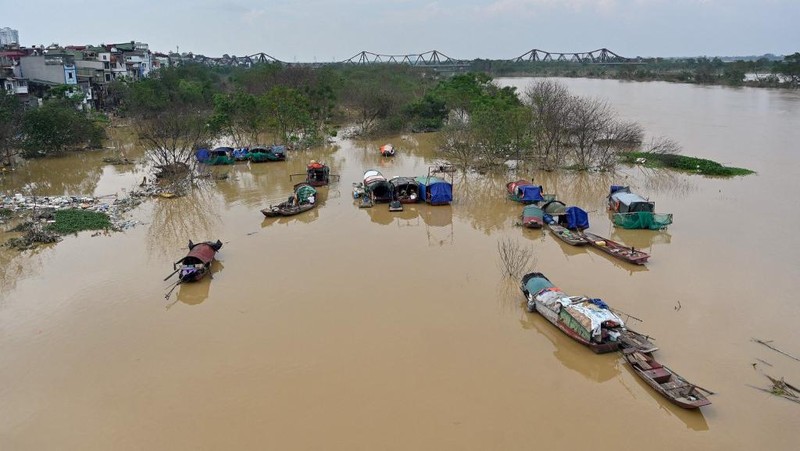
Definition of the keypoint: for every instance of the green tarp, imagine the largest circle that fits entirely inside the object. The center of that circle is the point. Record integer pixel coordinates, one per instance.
(642, 220)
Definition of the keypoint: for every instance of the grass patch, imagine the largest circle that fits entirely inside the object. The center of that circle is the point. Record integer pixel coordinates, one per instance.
(5, 213)
(75, 220)
(683, 163)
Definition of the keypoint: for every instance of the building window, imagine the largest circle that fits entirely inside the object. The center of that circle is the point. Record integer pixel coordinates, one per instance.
(69, 75)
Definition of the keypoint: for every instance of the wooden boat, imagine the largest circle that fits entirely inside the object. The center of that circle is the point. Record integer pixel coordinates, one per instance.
(532, 217)
(632, 211)
(304, 199)
(406, 189)
(377, 187)
(195, 265)
(590, 322)
(614, 249)
(317, 174)
(665, 381)
(220, 156)
(568, 236)
(387, 150)
(525, 192)
(260, 154)
(435, 190)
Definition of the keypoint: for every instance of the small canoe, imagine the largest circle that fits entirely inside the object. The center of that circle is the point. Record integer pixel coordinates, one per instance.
(614, 249)
(568, 236)
(387, 150)
(665, 381)
(195, 265)
(304, 199)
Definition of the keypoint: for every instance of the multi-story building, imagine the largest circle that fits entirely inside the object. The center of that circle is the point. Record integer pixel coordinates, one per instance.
(52, 68)
(9, 37)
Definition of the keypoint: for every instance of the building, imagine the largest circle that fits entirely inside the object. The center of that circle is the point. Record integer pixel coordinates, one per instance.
(50, 69)
(9, 37)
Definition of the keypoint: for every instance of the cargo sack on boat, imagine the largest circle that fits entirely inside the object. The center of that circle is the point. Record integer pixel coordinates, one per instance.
(577, 218)
(304, 193)
(592, 317)
(642, 220)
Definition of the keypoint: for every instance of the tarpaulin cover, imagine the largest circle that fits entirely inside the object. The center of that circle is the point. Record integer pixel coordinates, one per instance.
(625, 202)
(642, 220)
(202, 155)
(554, 207)
(303, 192)
(534, 283)
(200, 253)
(530, 193)
(434, 190)
(623, 188)
(592, 317)
(532, 211)
(577, 218)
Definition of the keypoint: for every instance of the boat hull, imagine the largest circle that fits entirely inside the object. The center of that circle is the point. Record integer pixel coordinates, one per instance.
(665, 381)
(554, 319)
(616, 250)
(568, 236)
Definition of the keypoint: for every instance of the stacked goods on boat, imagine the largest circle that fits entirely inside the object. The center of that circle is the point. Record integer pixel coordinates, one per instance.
(588, 321)
(632, 211)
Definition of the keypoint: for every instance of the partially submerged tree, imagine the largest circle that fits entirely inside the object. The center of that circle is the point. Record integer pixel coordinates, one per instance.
(550, 103)
(11, 114)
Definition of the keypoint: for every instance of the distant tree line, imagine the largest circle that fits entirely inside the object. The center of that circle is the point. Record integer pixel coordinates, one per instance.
(760, 72)
(179, 109)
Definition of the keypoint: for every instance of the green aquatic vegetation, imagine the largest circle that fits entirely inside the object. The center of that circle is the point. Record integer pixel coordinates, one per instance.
(683, 163)
(75, 220)
(5, 213)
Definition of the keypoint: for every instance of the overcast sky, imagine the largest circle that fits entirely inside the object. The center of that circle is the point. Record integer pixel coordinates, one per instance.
(334, 30)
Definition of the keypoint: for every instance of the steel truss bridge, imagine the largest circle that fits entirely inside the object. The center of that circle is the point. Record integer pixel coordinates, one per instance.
(433, 59)
(599, 56)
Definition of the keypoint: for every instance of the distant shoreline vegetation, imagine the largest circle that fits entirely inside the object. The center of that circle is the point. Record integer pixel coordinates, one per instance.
(682, 163)
(761, 72)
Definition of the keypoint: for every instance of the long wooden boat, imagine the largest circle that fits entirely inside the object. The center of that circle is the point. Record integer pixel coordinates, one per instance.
(590, 322)
(304, 199)
(614, 249)
(196, 264)
(665, 381)
(568, 236)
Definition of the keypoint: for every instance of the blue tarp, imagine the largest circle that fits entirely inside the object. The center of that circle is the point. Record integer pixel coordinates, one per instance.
(240, 153)
(623, 188)
(577, 218)
(202, 155)
(441, 191)
(530, 193)
(279, 150)
(599, 303)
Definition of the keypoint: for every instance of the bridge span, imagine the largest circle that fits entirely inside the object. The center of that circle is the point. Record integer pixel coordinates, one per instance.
(433, 59)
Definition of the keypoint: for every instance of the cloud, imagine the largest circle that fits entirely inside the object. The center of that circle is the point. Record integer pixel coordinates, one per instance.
(251, 16)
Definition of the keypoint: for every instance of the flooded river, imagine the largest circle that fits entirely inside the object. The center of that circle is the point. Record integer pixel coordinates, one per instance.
(347, 328)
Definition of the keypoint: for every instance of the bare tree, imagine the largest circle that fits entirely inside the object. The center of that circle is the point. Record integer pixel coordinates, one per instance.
(550, 103)
(171, 139)
(663, 145)
(514, 257)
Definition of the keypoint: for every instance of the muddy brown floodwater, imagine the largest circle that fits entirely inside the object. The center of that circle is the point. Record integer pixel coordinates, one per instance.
(348, 328)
